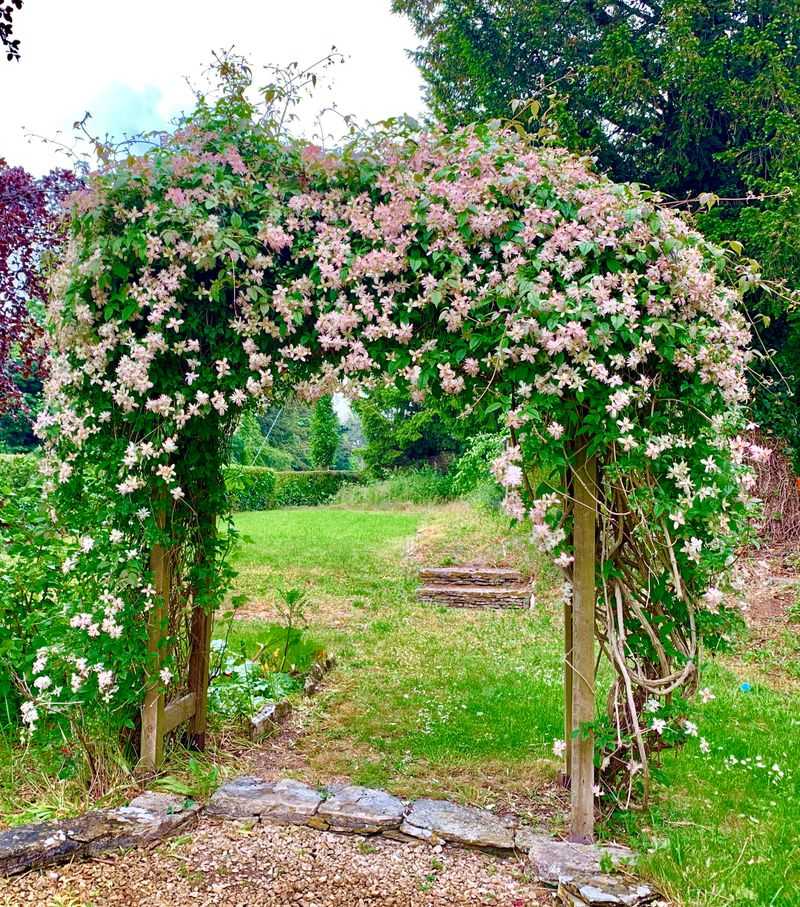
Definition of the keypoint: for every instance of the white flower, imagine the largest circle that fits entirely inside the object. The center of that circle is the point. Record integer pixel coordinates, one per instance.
(597, 790)
(713, 598)
(165, 674)
(176, 492)
(115, 536)
(692, 549)
(652, 705)
(706, 695)
(69, 564)
(555, 430)
(87, 543)
(559, 748)
(658, 725)
(29, 714)
(42, 683)
(690, 727)
(705, 746)
(513, 476)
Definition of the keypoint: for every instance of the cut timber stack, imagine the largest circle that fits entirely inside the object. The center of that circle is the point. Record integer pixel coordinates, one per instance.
(474, 587)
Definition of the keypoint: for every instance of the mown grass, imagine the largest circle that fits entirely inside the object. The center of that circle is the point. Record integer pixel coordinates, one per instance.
(424, 698)
(466, 704)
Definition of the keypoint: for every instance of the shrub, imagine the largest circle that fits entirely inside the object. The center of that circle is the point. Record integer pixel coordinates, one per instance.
(473, 467)
(297, 489)
(31, 555)
(250, 487)
(405, 486)
(19, 470)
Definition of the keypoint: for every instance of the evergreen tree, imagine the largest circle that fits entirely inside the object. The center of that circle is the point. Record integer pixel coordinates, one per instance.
(324, 433)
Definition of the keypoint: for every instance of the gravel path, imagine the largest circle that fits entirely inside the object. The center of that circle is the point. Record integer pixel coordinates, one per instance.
(229, 864)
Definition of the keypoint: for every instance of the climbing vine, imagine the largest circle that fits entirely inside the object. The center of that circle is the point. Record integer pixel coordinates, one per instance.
(232, 263)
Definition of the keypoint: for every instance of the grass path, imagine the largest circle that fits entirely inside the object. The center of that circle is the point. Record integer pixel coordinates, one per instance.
(455, 703)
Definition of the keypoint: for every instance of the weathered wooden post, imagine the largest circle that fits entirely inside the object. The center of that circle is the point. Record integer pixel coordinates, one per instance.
(200, 652)
(152, 737)
(582, 643)
(567, 690)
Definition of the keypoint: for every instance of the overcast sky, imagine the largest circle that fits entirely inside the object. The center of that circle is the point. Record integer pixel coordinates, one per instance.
(126, 61)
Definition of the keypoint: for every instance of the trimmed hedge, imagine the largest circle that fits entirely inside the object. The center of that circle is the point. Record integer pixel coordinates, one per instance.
(17, 470)
(248, 487)
(260, 488)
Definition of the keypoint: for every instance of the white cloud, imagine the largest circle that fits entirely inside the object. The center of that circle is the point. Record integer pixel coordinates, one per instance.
(126, 62)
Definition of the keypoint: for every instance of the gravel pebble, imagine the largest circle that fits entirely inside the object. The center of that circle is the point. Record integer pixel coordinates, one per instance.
(233, 865)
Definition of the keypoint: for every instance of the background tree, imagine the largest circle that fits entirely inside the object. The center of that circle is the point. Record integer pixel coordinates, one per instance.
(9, 42)
(29, 209)
(324, 433)
(278, 437)
(399, 432)
(692, 97)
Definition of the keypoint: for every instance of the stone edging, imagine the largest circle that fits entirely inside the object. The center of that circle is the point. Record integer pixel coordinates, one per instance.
(574, 869)
(269, 717)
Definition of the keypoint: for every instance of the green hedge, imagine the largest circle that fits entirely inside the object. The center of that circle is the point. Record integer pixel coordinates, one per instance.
(249, 487)
(17, 470)
(259, 488)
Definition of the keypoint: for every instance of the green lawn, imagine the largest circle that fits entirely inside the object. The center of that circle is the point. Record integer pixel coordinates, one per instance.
(423, 699)
(466, 704)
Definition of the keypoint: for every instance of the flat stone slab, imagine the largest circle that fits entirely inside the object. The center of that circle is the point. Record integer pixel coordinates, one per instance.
(525, 837)
(359, 809)
(556, 861)
(433, 820)
(600, 890)
(286, 801)
(147, 818)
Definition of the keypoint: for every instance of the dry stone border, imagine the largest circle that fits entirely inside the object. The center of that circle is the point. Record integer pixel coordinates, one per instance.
(574, 871)
(147, 818)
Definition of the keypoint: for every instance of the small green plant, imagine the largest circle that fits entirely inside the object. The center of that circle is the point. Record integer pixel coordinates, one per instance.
(243, 685)
(291, 606)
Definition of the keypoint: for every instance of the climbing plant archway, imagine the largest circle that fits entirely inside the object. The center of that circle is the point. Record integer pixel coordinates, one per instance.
(232, 264)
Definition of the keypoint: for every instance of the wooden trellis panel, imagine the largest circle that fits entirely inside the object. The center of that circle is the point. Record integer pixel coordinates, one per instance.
(159, 717)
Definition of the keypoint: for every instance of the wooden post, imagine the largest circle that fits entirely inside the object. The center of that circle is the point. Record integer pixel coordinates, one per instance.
(583, 661)
(567, 691)
(152, 739)
(200, 634)
(198, 675)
